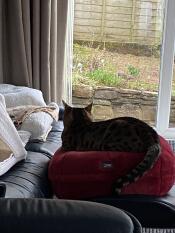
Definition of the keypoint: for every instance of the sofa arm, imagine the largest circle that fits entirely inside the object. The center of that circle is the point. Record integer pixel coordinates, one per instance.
(62, 216)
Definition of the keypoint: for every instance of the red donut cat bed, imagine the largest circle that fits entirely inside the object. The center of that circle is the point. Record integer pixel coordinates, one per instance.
(79, 175)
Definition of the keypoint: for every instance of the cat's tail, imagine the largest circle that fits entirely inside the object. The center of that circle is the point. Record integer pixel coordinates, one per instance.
(144, 166)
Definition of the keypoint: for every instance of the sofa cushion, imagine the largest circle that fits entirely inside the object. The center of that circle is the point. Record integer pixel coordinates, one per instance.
(28, 178)
(77, 175)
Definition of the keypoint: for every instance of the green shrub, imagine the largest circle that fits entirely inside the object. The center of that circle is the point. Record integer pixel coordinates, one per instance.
(133, 70)
(105, 77)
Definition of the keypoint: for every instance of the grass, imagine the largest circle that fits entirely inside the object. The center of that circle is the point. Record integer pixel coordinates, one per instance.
(104, 77)
(100, 67)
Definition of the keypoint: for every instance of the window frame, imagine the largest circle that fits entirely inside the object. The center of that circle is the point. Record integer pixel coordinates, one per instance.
(68, 59)
(166, 73)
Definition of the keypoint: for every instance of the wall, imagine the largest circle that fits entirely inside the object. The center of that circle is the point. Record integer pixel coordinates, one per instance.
(126, 21)
(109, 102)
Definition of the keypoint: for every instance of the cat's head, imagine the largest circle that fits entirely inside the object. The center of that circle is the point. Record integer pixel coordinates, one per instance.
(76, 114)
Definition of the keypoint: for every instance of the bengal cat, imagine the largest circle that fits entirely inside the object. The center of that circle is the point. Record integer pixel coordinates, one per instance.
(119, 134)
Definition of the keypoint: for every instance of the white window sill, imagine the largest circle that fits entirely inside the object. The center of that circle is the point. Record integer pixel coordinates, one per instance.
(168, 134)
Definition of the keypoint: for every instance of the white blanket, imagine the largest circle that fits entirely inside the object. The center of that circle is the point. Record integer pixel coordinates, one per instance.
(18, 95)
(9, 135)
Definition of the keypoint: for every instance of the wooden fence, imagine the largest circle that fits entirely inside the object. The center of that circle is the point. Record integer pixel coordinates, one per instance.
(122, 21)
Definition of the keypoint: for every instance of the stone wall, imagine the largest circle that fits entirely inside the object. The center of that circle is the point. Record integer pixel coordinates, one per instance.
(109, 102)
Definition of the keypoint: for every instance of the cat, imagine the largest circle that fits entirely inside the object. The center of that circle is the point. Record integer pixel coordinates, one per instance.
(126, 134)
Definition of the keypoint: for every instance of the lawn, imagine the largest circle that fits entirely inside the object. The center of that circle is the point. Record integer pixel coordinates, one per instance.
(101, 67)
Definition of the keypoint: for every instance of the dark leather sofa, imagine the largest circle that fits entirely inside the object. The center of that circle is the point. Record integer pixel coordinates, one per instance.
(27, 204)
(151, 211)
(28, 179)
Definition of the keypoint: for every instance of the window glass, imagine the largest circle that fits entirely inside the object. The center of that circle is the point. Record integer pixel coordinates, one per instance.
(117, 57)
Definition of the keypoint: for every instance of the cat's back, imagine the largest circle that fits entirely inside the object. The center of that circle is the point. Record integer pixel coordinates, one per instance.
(121, 122)
(126, 133)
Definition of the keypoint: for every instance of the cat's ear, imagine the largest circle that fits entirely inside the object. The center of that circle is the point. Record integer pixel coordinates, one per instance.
(66, 106)
(89, 108)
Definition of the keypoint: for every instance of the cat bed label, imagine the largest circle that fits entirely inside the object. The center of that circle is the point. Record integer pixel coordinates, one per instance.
(79, 175)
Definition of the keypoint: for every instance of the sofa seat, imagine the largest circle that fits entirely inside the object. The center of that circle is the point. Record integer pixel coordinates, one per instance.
(152, 212)
(28, 179)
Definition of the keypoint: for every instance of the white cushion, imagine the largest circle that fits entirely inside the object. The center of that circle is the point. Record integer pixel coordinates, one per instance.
(38, 124)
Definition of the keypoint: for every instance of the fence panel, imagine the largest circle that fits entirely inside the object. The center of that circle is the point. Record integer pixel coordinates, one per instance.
(126, 21)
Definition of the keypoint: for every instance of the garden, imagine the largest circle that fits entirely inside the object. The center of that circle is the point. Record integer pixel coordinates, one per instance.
(125, 67)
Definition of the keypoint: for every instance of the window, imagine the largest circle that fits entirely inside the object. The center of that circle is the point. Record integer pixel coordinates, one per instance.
(126, 24)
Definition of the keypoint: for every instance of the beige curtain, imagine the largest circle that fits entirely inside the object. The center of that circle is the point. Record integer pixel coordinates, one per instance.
(32, 44)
